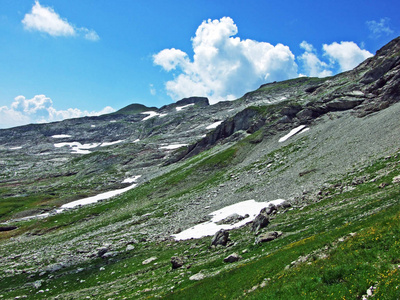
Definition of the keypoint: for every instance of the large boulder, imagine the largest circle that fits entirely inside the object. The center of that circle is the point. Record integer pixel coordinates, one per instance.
(260, 222)
(268, 236)
(176, 262)
(232, 258)
(220, 238)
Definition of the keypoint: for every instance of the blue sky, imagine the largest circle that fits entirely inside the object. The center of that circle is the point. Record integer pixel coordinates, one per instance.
(62, 59)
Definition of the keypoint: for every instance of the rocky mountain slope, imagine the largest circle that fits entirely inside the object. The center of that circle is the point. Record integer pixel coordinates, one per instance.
(329, 147)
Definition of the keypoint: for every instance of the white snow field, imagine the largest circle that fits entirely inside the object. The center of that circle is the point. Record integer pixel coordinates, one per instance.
(214, 125)
(61, 136)
(294, 131)
(250, 207)
(99, 197)
(173, 147)
(179, 108)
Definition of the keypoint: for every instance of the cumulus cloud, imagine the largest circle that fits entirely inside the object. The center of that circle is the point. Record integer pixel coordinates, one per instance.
(346, 54)
(312, 65)
(45, 19)
(40, 109)
(379, 28)
(224, 67)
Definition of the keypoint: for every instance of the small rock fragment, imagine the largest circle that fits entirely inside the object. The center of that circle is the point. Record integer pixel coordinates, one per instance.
(149, 260)
(232, 258)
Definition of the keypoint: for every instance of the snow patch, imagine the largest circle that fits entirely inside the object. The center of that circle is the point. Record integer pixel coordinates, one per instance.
(105, 144)
(173, 147)
(93, 126)
(131, 179)
(179, 108)
(250, 207)
(214, 125)
(94, 199)
(137, 140)
(77, 147)
(15, 148)
(293, 132)
(60, 136)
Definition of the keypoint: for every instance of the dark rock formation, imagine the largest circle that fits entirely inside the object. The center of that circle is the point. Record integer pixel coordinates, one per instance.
(220, 238)
(177, 262)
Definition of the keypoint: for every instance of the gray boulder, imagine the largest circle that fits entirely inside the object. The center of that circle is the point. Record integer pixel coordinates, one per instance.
(268, 236)
(232, 258)
(260, 222)
(220, 238)
(176, 262)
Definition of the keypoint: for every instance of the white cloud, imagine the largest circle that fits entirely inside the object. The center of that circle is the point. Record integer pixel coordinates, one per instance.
(89, 34)
(312, 65)
(224, 67)
(347, 54)
(379, 28)
(40, 109)
(153, 91)
(45, 19)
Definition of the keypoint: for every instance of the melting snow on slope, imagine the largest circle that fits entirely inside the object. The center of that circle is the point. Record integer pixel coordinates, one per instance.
(173, 147)
(60, 136)
(250, 207)
(294, 131)
(15, 148)
(105, 144)
(214, 125)
(89, 200)
(179, 108)
(94, 199)
(131, 179)
(77, 147)
(152, 114)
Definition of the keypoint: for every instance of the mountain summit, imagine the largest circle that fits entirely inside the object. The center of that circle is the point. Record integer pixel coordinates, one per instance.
(242, 198)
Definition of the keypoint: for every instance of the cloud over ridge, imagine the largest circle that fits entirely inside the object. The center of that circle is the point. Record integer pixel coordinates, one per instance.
(40, 109)
(223, 66)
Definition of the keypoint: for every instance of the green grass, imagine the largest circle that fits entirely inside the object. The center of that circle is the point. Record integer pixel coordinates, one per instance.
(346, 268)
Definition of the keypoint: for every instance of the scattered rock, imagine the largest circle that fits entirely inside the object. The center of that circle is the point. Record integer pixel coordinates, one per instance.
(382, 185)
(396, 179)
(269, 236)
(198, 276)
(110, 254)
(7, 228)
(130, 247)
(176, 262)
(259, 222)
(149, 260)
(232, 258)
(37, 284)
(284, 204)
(232, 219)
(101, 251)
(220, 238)
(270, 210)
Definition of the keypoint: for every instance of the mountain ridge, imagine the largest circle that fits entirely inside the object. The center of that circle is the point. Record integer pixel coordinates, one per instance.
(328, 146)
